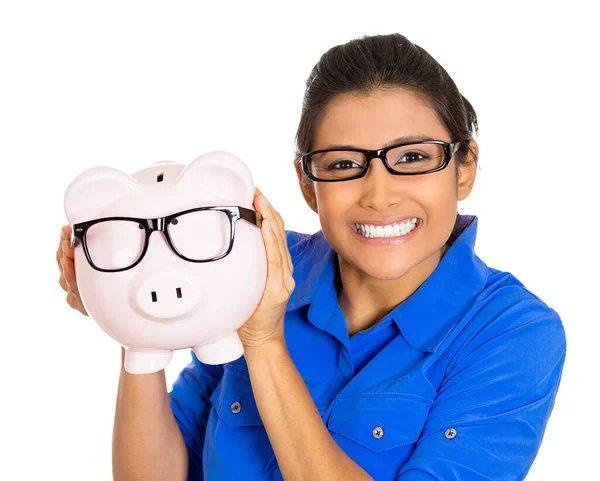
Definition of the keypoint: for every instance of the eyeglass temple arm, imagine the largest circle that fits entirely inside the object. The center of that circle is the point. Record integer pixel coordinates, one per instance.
(74, 240)
(251, 216)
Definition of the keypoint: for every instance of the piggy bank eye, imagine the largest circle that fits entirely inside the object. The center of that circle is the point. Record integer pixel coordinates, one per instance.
(115, 244)
(201, 235)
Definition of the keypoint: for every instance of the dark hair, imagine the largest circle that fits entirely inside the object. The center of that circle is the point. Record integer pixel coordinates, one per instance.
(371, 63)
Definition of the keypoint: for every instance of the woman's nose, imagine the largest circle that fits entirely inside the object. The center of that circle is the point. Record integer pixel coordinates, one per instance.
(381, 187)
(377, 170)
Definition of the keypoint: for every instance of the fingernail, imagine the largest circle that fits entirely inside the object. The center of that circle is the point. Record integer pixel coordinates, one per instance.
(263, 201)
(267, 224)
(62, 233)
(62, 263)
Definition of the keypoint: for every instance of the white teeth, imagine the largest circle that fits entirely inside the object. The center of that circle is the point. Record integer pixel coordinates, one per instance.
(371, 231)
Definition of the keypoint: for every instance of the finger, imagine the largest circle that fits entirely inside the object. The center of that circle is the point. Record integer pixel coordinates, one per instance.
(65, 235)
(59, 252)
(65, 231)
(68, 251)
(71, 300)
(275, 278)
(74, 301)
(63, 282)
(269, 212)
(284, 245)
(285, 253)
(280, 227)
(69, 273)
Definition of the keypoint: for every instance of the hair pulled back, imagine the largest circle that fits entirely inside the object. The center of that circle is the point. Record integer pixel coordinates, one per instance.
(371, 63)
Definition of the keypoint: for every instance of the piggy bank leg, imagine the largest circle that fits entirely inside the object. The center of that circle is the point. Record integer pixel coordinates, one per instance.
(146, 361)
(221, 350)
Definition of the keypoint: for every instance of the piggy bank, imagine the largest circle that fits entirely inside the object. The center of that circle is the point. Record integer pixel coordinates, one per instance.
(170, 257)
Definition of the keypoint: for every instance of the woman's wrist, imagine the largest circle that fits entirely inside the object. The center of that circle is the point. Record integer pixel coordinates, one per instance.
(265, 348)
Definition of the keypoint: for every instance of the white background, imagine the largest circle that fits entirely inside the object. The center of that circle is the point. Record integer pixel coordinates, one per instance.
(126, 84)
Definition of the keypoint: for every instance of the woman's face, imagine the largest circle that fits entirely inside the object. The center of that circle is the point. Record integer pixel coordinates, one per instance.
(372, 121)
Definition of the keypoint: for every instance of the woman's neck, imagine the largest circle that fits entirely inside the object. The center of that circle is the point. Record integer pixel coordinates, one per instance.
(365, 300)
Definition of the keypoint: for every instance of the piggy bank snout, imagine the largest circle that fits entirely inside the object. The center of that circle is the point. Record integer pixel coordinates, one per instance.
(166, 295)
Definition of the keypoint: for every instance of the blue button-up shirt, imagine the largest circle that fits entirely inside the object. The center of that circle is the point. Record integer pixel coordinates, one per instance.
(455, 383)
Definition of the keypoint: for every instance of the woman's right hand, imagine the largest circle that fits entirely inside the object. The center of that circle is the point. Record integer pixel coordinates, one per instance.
(66, 266)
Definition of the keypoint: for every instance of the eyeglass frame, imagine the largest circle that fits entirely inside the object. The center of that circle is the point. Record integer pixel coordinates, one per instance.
(449, 150)
(234, 213)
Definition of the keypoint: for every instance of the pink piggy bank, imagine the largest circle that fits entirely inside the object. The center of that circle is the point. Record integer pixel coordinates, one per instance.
(168, 258)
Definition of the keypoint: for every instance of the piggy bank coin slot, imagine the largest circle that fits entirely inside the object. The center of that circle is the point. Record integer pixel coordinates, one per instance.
(179, 293)
(159, 177)
(154, 299)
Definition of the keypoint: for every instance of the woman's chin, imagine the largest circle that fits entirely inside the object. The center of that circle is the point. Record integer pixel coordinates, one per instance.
(384, 271)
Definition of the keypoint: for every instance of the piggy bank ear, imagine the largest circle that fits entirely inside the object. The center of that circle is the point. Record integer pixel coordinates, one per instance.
(222, 172)
(89, 193)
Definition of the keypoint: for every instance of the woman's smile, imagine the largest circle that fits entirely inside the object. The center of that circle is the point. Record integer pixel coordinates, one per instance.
(395, 233)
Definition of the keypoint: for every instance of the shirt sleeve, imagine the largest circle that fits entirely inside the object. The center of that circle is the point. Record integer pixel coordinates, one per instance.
(190, 403)
(491, 411)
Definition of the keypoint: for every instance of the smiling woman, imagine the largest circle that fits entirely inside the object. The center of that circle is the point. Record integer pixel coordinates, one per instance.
(383, 348)
(405, 356)
(384, 196)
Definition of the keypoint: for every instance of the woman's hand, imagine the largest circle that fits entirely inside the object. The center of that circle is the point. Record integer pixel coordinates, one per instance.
(66, 266)
(266, 323)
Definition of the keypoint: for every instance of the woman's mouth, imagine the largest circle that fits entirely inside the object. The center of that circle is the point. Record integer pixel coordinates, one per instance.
(395, 233)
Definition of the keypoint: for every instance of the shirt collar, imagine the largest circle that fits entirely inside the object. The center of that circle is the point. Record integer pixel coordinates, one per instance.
(425, 317)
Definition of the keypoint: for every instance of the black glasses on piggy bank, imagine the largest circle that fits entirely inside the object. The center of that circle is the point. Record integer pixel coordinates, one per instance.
(203, 234)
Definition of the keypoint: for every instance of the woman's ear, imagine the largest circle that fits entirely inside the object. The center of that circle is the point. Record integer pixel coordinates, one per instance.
(307, 187)
(467, 172)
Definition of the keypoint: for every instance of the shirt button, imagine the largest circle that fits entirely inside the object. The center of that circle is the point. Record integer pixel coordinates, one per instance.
(378, 432)
(236, 407)
(450, 433)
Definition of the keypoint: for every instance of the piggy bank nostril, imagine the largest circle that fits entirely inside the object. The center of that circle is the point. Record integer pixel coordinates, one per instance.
(166, 295)
(155, 296)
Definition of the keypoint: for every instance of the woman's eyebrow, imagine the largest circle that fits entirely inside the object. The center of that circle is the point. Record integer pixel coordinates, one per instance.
(399, 140)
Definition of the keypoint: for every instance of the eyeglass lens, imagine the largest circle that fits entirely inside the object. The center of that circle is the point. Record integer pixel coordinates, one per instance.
(200, 235)
(343, 164)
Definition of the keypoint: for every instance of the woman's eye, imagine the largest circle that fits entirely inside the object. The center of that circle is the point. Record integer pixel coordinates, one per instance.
(412, 157)
(343, 164)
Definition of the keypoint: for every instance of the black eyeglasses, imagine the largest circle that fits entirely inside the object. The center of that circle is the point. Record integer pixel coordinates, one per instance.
(336, 165)
(203, 234)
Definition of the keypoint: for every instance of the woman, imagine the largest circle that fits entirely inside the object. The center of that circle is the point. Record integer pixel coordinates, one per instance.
(383, 347)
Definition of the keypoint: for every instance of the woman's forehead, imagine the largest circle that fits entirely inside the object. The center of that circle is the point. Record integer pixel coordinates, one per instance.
(374, 119)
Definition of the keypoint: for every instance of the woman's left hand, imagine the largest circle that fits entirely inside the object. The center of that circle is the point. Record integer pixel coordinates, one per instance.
(266, 323)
